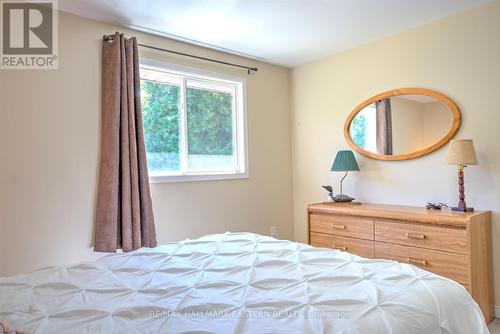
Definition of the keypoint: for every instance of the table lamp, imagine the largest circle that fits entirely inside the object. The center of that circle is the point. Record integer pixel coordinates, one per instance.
(344, 162)
(461, 153)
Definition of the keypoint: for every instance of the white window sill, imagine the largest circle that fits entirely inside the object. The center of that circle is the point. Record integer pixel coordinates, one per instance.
(196, 177)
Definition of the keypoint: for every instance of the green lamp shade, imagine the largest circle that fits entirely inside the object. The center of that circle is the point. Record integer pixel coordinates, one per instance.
(345, 161)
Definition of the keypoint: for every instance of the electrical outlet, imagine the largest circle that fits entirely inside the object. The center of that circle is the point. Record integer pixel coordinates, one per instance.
(274, 232)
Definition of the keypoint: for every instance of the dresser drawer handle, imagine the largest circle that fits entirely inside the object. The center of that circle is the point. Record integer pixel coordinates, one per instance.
(415, 236)
(342, 248)
(337, 226)
(417, 261)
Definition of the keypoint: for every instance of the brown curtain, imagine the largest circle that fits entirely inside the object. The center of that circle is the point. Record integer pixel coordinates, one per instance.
(384, 127)
(124, 213)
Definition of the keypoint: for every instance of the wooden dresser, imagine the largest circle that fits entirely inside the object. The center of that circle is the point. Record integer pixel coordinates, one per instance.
(451, 244)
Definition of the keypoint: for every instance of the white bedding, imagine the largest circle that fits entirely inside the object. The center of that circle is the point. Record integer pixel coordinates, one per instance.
(238, 283)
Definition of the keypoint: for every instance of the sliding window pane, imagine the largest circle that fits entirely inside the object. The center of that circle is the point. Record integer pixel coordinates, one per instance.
(161, 117)
(210, 126)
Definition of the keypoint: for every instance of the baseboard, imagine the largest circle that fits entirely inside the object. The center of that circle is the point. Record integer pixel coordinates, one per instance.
(497, 311)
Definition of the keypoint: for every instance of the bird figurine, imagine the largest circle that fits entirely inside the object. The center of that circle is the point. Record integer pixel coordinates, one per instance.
(330, 193)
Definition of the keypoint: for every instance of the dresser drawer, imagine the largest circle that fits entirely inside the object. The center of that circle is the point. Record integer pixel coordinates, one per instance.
(355, 246)
(451, 265)
(432, 237)
(343, 226)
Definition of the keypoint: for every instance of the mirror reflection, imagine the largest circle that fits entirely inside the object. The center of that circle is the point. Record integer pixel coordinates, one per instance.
(401, 124)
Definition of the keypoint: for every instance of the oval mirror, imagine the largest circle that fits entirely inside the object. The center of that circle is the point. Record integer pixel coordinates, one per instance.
(402, 124)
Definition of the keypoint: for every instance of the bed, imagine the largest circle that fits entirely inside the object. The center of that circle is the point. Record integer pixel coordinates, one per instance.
(237, 283)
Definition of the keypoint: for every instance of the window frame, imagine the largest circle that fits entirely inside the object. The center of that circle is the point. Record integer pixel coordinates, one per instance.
(240, 133)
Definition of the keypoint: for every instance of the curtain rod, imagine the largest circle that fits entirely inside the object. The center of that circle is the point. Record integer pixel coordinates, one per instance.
(110, 38)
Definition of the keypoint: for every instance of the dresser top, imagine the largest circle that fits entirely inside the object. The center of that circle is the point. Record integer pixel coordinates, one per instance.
(397, 212)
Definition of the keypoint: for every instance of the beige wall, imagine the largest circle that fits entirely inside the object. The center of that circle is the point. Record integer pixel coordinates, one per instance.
(437, 122)
(458, 56)
(49, 146)
(49, 139)
(417, 125)
(407, 125)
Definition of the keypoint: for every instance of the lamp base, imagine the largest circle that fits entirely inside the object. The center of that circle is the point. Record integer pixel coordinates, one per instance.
(343, 198)
(456, 208)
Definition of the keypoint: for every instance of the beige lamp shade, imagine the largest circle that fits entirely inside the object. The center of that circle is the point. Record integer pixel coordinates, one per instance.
(461, 152)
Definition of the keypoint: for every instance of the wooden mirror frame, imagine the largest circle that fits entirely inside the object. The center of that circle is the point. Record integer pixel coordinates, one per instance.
(457, 120)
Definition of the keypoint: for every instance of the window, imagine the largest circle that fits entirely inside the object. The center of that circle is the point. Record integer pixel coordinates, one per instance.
(194, 124)
(363, 128)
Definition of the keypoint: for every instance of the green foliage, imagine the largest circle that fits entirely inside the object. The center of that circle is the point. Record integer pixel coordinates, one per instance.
(358, 130)
(209, 122)
(160, 112)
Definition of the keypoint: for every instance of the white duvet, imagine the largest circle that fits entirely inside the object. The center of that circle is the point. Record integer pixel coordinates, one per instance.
(238, 283)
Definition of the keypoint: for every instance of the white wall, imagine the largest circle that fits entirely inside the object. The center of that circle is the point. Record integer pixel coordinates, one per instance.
(458, 56)
(49, 149)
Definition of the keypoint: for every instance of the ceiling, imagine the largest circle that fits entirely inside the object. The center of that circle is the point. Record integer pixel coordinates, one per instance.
(284, 32)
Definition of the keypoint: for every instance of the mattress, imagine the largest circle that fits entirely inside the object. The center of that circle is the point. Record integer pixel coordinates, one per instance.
(237, 283)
